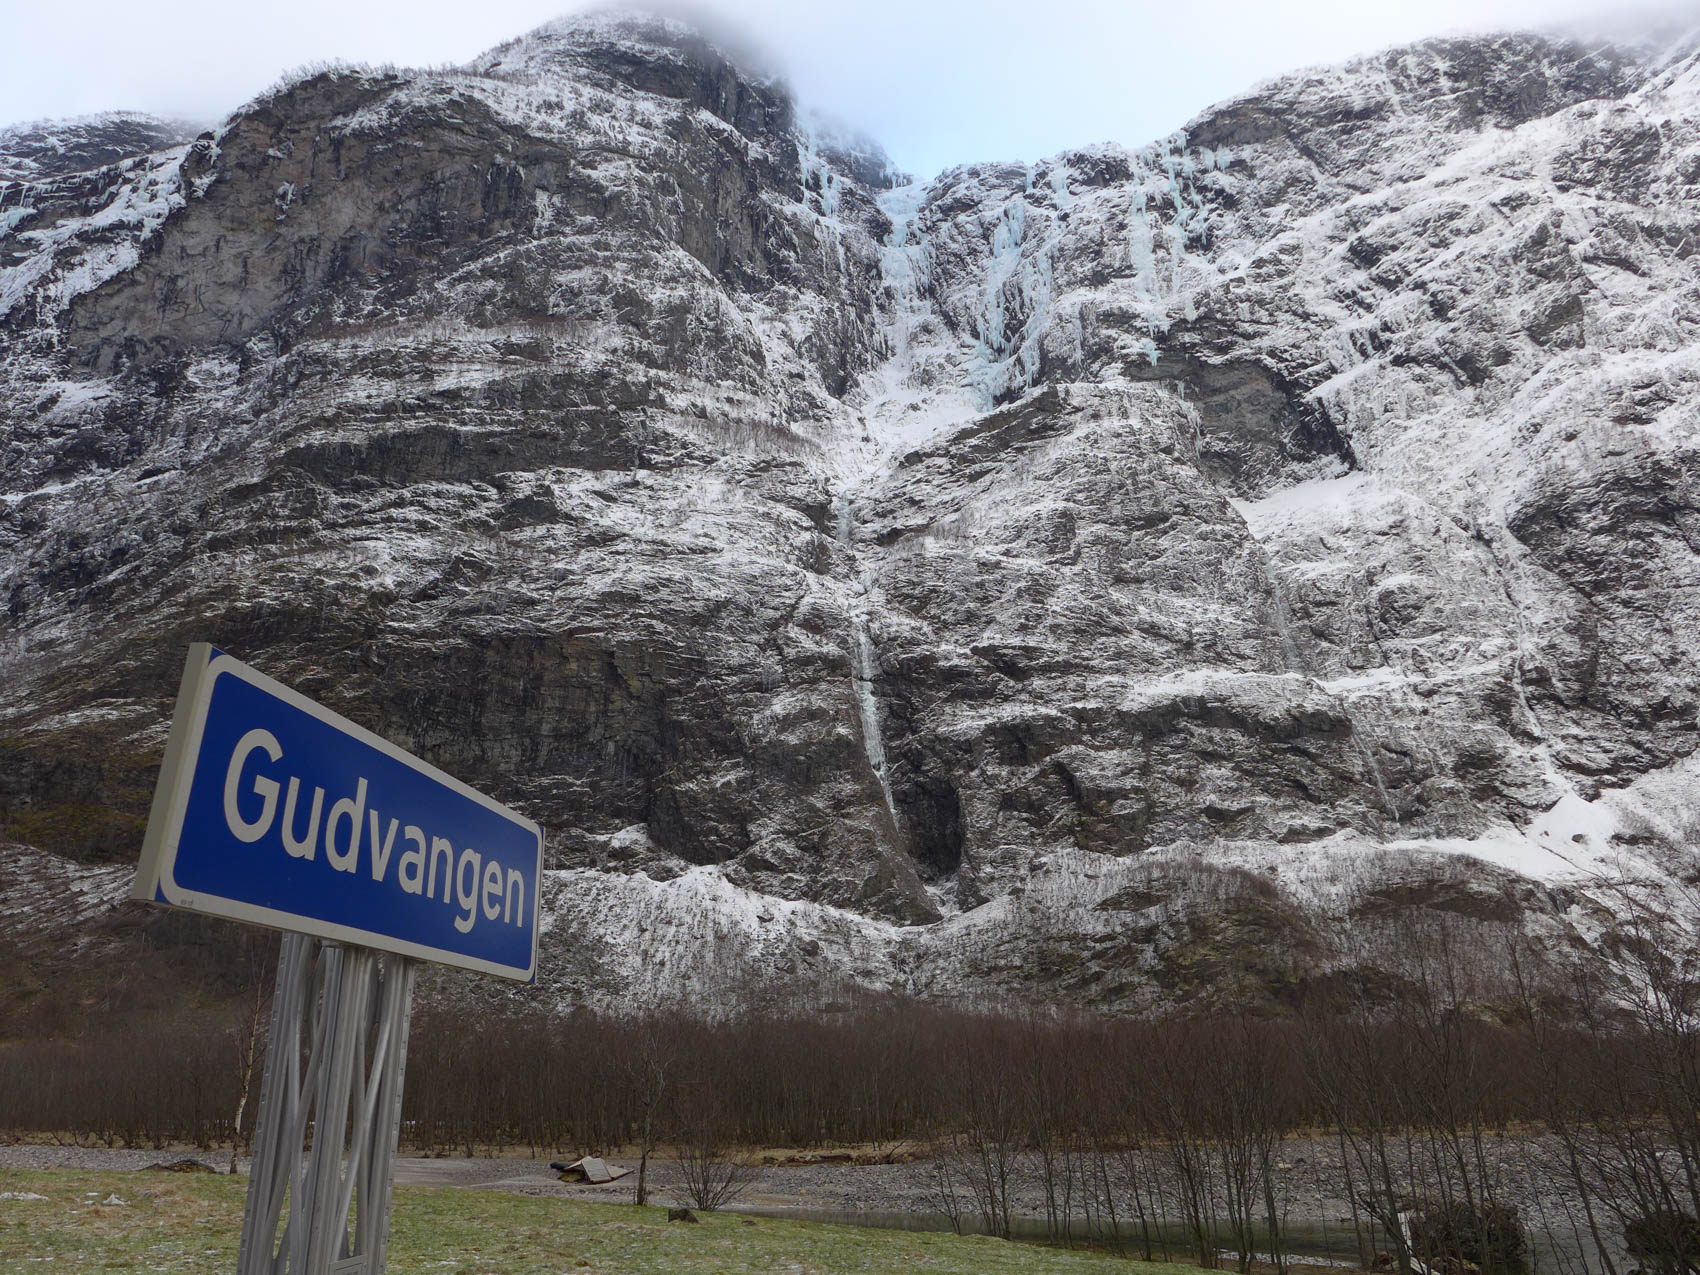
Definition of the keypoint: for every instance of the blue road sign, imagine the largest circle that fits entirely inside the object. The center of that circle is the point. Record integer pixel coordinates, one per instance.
(274, 810)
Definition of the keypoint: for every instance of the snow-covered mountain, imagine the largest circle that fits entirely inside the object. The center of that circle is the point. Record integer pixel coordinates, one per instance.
(1142, 575)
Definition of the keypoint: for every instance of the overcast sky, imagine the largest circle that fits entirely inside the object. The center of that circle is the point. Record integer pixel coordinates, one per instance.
(936, 81)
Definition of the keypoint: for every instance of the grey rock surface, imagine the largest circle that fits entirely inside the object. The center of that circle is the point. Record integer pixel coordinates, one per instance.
(1139, 576)
(35, 152)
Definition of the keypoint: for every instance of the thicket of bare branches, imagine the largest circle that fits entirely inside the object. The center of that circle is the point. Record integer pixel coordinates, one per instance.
(1159, 1138)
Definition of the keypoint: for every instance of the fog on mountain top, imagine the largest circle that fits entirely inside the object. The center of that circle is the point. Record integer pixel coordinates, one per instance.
(936, 83)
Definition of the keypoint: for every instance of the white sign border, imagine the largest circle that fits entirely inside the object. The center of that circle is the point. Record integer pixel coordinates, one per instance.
(154, 882)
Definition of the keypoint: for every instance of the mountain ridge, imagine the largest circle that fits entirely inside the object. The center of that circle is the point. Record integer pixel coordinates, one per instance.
(878, 580)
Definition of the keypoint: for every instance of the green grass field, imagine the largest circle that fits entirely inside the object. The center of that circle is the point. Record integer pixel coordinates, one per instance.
(190, 1224)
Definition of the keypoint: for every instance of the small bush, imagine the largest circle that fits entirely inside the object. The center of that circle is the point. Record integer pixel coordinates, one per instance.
(715, 1174)
(1452, 1237)
(1665, 1242)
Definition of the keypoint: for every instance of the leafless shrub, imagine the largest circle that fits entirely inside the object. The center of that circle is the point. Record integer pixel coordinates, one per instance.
(944, 1185)
(715, 1174)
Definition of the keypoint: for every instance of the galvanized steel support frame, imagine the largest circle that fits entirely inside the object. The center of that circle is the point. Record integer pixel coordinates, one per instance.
(322, 1206)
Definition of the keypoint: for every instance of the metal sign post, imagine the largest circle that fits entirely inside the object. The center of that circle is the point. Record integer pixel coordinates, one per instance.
(273, 810)
(347, 1091)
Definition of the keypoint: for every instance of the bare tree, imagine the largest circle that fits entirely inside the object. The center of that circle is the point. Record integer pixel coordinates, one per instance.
(248, 1037)
(943, 1175)
(1618, 1053)
(986, 1139)
(1050, 1115)
(650, 1075)
(1349, 1061)
(1180, 1099)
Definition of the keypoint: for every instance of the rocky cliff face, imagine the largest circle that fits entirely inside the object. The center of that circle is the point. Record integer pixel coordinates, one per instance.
(1142, 575)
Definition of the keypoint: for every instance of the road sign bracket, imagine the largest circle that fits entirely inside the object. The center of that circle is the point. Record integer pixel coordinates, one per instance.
(322, 1203)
